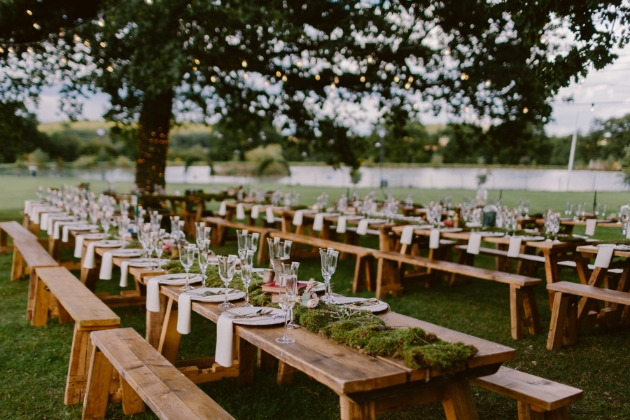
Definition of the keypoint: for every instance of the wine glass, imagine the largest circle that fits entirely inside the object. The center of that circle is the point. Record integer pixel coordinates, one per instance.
(150, 240)
(246, 276)
(278, 251)
(252, 244)
(291, 270)
(186, 258)
(329, 264)
(286, 301)
(203, 258)
(227, 267)
(202, 232)
(123, 224)
(159, 249)
(105, 224)
(242, 238)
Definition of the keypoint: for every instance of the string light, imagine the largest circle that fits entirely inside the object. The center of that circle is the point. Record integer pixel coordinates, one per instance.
(396, 79)
(299, 64)
(28, 12)
(103, 44)
(284, 78)
(362, 79)
(407, 85)
(447, 51)
(278, 74)
(317, 77)
(101, 22)
(333, 86)
(36, 26)
(213, 79)
(245, 76)
(488, 82)
(110, 69)
(415, 106)
(266, 82)
(464, 76)
(369, 59)
(525, 110)
(244, 63)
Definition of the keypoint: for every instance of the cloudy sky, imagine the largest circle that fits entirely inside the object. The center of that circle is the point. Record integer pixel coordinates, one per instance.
(608, 89)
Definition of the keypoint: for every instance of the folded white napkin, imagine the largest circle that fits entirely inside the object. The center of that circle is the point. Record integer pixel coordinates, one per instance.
(28, 204)
(43, 223)
(474, 243)
(604, 256)
(88, 261)
(255, 211)
(65, 231)
(223, 208)
(184, 307)
(124, 272)
(271, 218)
(374, 208)
(240, 211)
(59, 224)
(590, 227)
(407, 235)
(628, 234)
(341, 224)
(78, 246)
(318, 223)
(363, 226)
(107, 264)
(298, 218)
(153, 295)
(515, 246)
(53, 221)
(225, 331)
(434, 239)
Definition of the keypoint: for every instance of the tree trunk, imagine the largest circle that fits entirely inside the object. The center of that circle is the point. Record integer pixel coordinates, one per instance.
(152, 140)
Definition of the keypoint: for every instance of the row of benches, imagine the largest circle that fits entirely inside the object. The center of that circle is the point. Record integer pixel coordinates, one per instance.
(99, 347)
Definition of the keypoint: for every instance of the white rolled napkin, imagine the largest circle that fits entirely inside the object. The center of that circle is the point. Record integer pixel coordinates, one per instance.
(271, 218)
(318, 223)
(107, 264)
(604, 256)
(590, 227)
(78, 246)
(65, 233)
(363, 226)
(88, 261)
(341, 224)
(514, 249)
(54, 220)
(225, 331)
(223, 208)
(240, 211)
(153, 295)
(43, 223)
(298, 218)
(407, 235)
(474, 243)
(628, 234)
(136, 262)
(184, 307)
(434, 239)
(255, 211)
(59, 224)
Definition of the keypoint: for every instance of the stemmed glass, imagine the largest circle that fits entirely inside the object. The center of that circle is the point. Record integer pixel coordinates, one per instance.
(159, 249)
(151, 245)
(202, 232)
(123, 224)
(278, 252)
(287, 300)
(105, 224)
(186, 258)
(203, 258)
(329, 265)
(291, 270)
(227, 267)
(252, 243)
(246, 276)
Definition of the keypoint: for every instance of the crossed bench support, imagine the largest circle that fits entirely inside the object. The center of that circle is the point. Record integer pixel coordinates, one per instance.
(523, 308)
(537, 398)
(145, 377)
(71, 300)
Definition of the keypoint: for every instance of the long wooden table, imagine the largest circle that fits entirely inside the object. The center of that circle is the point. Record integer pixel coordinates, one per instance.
(366, 385)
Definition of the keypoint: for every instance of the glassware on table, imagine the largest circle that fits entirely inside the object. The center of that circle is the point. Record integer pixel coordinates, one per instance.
(159, 250)
(568, 209)
(329, 264)
(291, 270)
(600, 211)
(246, 276)
(279, 251)
(286, 301)
(151, 245)
(227, 268)
(202, 232)
(204, 247)
(186, 258)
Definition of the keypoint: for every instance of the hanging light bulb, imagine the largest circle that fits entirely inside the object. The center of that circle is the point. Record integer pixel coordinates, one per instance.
(244, 63)
(592, 107)
(317, 77)
(488, 82)
(36, 26)
(213, 79)
(278, 74)
(464, 76)
(525, 110)
(299, 64)
(362, 79)
(284, 78)
(28, 12)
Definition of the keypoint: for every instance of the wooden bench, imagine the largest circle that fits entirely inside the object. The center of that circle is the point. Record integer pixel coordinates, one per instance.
(29, 254)
(59, 289)
(145, 377)
(537, 398)
(523, 308)
(572, 308)
(219, 234)
(364, 267)
(16, 232)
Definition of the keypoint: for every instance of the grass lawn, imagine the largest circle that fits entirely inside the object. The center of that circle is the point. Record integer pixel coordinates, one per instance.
(33, 361)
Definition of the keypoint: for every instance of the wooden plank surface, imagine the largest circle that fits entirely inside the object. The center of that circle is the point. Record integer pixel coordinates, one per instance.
(83, 306)
(166, 390)
(34, 254)
(531, 389)
(322, 243)
(592, 250)
(16, 231)
(593, 292)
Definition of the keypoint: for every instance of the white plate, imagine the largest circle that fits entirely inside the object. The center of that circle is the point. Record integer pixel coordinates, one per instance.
(144, 262)
(178, 279)
(317, 287)
(93, 236)
(276, 316)
(450, 230)
(492, 234)
(379, 307)
(126, 253)
(83, 228)
(528, 238)
(218, 297)
(108, 244)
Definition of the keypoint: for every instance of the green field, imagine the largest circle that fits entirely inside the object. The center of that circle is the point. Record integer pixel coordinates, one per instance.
(33, 361)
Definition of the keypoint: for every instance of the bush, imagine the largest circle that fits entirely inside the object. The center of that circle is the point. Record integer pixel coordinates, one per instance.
(85, 161)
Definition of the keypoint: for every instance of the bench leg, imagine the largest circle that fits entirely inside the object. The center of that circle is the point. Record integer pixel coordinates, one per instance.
(78, 368)
(532, 317)
(526, 413)
(32, 291)
(387, 279)
(353, 411)
(97, 388)
(170, 337)
(558, 414)
(131, 401)
(41, 303)
(18, 266)
(155, 322)
(558, 320)
(460, 404)
(516, 312)
(265, 360)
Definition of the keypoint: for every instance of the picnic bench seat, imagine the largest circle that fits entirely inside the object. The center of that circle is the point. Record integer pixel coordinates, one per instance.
(572, 308)
(364, 267)
(219, 234)
(536, 259)
(537, 398)
(27, 255)
(145, 377)
(72, 301)
(523, 308)
(16, 232)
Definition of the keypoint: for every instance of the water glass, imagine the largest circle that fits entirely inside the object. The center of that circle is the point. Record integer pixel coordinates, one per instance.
(329, 264)
(246, 276)
(286, 301)
(227, 268)
(186, 258)
(203, 258)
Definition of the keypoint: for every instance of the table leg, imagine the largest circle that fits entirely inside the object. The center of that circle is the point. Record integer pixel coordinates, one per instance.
(353, 411)
(170, 337)
(245, 362)
(551, 271)
(460, 404)
(155, 322)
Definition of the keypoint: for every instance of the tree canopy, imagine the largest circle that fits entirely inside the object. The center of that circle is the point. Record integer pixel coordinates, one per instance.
(317, 67)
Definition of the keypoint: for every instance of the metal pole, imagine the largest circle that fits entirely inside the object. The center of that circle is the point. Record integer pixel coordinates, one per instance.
(101, 133)
(572, 154)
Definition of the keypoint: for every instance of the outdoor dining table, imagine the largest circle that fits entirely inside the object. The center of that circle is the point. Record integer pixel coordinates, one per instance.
(366, 385)
(570, 223)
